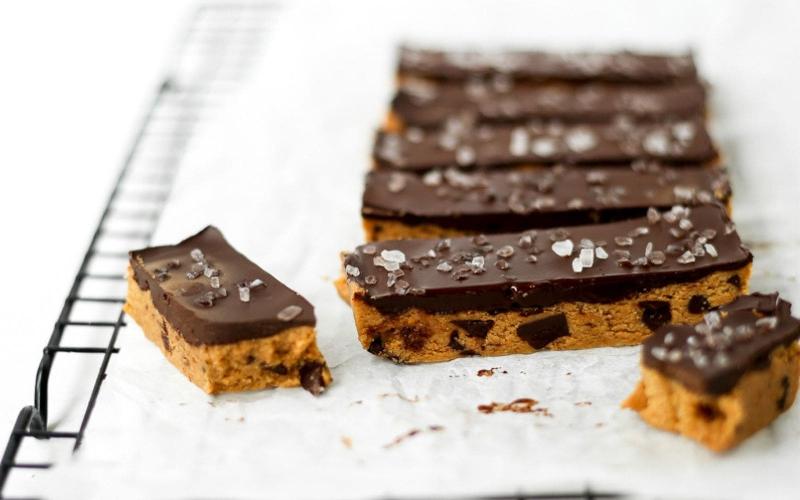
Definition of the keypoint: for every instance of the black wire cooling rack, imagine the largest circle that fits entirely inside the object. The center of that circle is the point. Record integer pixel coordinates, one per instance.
(221, 41)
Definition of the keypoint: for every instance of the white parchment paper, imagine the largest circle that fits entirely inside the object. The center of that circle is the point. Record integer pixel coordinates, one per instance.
(281, 174)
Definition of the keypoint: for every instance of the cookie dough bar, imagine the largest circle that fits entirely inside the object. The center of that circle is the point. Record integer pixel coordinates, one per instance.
(723, 379)
(449, 202)
(223, 321)
(425, 104)
(586, 286)
(537, 66)
(464, 145)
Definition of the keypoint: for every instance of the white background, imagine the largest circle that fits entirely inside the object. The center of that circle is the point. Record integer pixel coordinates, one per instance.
(74, 80)
(745, 48)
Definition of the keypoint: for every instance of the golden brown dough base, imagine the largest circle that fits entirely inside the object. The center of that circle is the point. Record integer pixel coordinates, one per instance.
(385, 229)
(418, 336)
(241, 366)
(720, 422)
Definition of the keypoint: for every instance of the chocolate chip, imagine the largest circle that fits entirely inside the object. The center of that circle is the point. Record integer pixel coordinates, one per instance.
(376, 346)
(698, 304)
(785, 394)
(311, 377)
(414, 338)
(540, 333)
(708, 412)
(655, 313)
(165, 336)
(736, 281)
(454, 343)
(280, 369)
(475, 328)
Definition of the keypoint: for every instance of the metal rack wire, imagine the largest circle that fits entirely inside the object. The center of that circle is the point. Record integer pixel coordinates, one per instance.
(221, 41)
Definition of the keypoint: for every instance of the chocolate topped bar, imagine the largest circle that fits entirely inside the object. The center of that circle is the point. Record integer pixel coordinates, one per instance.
(544, 66)
(505, 201)
(534, 269)
(544, 143)
(427, 104)
(712, 356)
(212, 294)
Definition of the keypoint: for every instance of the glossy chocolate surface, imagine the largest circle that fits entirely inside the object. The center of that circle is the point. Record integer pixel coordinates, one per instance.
(420, 103)
(505, 201)
(544, 66)
(465, 145)
(180, 280)
(712, 356)
(530, 270)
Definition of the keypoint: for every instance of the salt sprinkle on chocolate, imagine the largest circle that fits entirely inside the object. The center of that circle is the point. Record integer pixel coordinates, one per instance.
(563, 248)
(289, 313)
(352, 270)
(244, 292)
(197, 255)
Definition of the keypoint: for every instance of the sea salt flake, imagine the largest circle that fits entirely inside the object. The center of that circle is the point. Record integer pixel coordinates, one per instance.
(465, 155)
(443, 245)
(722, 360)
(432, 178)
(244, 293)
(519, 142)
(397, 182)
(658, 352)
(669, 338)
(653, 215)
(214, 282)
(505, 251)
(712, 319)
(767, 323)
(444, 267)
(711, 250)
(532, 259)
(352, 270)
(586, 243)
(686, 258)
(576, 265)
(623, 241)
(580, 140)
(381, 262)
(656, 143)
(656, 258)
(563, 248)
(683, 131)
(289, 313)
(369, 250)
(370, 279)
(197, 255)
(600, 253)
(543, 147)
(525, 241)
(477, 265)
(210, 272)
(587, 257)
(685, 224)
(393, 256)
(502, 265)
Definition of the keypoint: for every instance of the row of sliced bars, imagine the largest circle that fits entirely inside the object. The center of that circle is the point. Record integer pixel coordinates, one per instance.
(525, 200)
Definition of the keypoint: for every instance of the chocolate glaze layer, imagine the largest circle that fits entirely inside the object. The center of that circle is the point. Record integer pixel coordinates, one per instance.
(522, 271)
(182, 300)
(544, 66)
(544, 143)
(426, 104)
(505, 201)
(713, 355)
